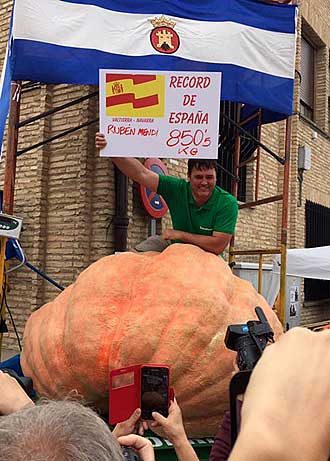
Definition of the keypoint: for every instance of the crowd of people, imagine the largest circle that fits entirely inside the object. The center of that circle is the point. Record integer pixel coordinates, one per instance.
(284, 415)
(66, 430)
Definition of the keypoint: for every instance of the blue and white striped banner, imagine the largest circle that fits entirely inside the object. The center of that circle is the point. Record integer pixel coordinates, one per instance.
(250, 42)
(5, 85)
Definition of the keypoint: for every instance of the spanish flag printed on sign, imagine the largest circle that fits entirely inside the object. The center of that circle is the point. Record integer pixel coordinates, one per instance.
(129, 95)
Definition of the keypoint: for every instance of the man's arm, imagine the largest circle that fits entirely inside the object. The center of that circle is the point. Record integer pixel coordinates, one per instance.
(256, 445)
(214, 243)
(285, 415)
(131, 167)
(12, 397)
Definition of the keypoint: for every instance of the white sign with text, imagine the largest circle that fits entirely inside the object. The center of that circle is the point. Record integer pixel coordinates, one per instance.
(160, 114)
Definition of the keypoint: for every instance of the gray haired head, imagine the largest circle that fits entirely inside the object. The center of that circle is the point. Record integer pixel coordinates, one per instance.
(57, 431)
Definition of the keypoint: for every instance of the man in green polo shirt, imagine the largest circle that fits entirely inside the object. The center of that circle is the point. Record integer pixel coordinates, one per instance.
(202, 213)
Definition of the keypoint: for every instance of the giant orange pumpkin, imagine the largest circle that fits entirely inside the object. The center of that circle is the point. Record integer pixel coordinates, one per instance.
(171, 307)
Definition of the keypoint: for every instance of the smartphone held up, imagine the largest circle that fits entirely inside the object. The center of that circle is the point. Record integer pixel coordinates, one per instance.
(154, 390)
(145, 386)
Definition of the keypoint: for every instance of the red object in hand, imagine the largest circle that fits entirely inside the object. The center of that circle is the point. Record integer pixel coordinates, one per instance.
(143, 386)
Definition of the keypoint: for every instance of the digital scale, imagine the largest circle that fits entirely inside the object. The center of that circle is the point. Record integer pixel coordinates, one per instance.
(10, 226)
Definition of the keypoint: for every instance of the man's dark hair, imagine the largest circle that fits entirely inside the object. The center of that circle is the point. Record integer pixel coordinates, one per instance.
(201, 164)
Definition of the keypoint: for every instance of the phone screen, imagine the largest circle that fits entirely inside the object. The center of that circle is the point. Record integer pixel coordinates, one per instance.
(154, 391)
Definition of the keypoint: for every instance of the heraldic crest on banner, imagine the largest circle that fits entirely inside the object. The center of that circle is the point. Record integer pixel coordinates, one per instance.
(163, 37)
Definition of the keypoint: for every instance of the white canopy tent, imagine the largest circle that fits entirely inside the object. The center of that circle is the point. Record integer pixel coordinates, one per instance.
(313, 263)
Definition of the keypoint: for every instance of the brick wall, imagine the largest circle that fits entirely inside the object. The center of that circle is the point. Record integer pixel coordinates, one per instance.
(65, 191)
(257, 227)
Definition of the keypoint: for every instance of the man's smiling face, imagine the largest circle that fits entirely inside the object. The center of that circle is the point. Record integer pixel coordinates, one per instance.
(203, 182)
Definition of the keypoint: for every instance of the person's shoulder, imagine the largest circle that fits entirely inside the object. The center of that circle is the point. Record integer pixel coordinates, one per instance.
(170, 186)
(172, 180)
(225, 196)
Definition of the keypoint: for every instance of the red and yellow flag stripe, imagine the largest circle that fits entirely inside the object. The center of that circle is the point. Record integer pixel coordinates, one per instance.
(129, 95)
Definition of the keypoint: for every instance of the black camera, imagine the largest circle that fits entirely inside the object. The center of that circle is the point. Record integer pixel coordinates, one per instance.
(249, 341)
(129, 454)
